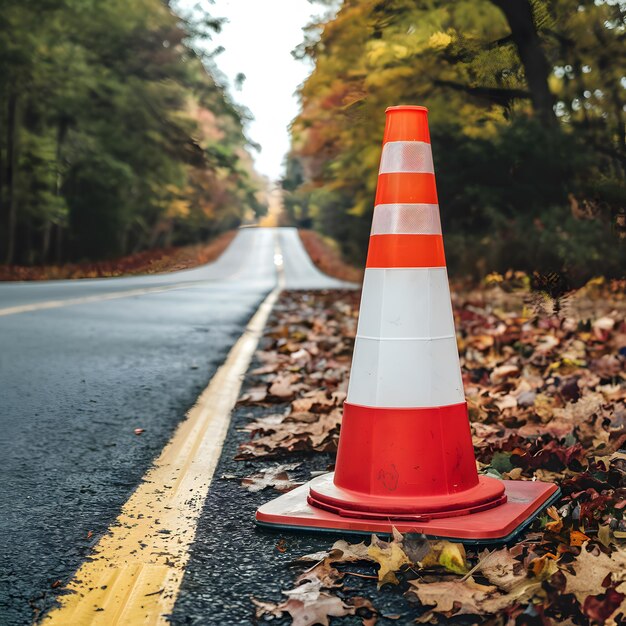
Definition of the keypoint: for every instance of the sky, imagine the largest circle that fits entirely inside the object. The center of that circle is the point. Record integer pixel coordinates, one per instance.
(258, 39)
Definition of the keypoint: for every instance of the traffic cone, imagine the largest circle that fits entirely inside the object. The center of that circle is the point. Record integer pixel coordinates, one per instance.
(405, 456)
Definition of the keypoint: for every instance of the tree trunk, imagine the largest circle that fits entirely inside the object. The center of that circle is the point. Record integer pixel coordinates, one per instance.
(45, 241)
(2, 172)
(59, 244)
(58, 184)
(12, 155)
(519, 16)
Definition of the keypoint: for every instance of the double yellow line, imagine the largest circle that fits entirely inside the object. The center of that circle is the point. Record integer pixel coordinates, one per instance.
(137, 567)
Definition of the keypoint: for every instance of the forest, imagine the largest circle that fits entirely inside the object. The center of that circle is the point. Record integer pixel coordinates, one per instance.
(115, 135)
(527, 119)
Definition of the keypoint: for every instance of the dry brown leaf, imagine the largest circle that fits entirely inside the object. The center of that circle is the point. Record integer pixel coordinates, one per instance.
(467, 597)
(503, 372)
(284, 386)
(453, 597)
(296, 432)
(276, 477)
(254, 395)
(343, 551)
(363, 603)
(315, 605)
(481, 342)
(307, 604)
(315, 608)
(324, 573)
(265, 424)
(500, 568)
(591, 569)
(316, 402)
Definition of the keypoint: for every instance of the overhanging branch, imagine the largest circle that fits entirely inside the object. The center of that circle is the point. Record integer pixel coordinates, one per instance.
(494, 94)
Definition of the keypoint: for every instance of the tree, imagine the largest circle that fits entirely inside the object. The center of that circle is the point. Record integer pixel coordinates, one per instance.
(109, 120)
(526, 118)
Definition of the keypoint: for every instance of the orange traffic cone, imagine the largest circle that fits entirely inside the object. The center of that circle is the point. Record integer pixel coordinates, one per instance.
(405, 455)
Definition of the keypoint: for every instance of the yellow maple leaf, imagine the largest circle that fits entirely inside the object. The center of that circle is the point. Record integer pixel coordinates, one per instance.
(391, 558)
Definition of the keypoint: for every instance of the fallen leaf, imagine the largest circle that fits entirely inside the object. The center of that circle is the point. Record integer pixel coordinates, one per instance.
(284, 386)
(452, 557)
(390, 557)
(307, 605)
(447, 554)
(543, 567)
(453, 597)
(364, 606)
(344, 552)
(556, 525)
(503, 372)
(592, 568)
(467, 597)
(576, 538)
(276, 477)
(500, 568)
(600, 608)
(254, 395)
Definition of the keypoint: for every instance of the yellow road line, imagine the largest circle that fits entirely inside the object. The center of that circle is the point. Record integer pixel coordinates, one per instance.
(113, 295)
(137, 567)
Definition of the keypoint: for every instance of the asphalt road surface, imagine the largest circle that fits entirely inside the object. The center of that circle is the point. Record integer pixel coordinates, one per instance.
(82, 364)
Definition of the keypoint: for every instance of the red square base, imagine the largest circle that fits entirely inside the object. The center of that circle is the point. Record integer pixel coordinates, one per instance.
(525, 499)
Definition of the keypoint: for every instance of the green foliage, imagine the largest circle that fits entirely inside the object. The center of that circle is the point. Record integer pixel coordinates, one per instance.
(527, 131)
(114, 136)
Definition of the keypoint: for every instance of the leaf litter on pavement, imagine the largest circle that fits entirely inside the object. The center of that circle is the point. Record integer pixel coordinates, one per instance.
(546, 390)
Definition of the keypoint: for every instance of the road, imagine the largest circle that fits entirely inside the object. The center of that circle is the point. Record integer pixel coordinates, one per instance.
(82, 365)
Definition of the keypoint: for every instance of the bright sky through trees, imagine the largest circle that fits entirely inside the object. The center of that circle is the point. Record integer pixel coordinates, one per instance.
(258, 40)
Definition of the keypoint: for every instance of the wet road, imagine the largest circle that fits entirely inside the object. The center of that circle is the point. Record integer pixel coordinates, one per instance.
(84, 363)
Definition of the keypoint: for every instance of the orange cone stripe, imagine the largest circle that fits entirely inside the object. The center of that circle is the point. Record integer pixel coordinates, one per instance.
(407, 127)
(405, 251)
(403, 188)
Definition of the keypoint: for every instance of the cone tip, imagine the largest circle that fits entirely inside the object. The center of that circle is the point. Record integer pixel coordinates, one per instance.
(406, 107)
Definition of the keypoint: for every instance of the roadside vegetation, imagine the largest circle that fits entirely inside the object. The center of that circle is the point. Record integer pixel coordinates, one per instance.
(527, 122)
(115, 134)
(153, 261)
(326, 254)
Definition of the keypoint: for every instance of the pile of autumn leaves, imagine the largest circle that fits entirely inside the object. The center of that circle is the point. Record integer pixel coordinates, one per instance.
(546, 389)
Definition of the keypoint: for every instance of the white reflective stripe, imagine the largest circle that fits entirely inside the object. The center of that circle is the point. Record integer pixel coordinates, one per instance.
(405, 374)
(406, 302)
(406, 219)
(406, 156)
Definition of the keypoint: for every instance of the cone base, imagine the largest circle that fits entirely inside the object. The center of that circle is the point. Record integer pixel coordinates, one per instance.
(525, 499)
(325, 494)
